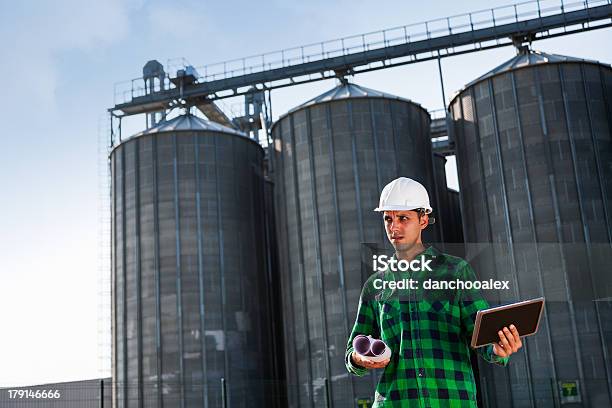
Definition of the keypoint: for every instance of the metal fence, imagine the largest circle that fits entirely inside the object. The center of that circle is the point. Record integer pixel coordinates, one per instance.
(87, 394)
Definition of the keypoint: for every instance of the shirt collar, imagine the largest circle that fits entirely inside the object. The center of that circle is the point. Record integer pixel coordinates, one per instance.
(431, 251)
(428, 252)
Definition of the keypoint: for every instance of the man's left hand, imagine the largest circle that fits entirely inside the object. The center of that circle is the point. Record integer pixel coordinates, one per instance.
(509, 342)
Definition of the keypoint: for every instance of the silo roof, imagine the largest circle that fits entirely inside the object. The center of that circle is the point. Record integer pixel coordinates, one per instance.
(347, 91)
(527, 58)
(187, 123)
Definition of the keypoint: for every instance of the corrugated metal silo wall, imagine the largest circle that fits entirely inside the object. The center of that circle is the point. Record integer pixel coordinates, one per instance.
(535, 169)
(453, 222)
(275, 300)
(447, 210)
(331, 161)
(190, 294)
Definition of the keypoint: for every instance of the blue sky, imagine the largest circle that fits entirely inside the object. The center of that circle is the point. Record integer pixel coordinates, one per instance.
(59, 62)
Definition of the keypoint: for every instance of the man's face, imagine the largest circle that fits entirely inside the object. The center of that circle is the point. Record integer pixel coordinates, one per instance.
(404, 228)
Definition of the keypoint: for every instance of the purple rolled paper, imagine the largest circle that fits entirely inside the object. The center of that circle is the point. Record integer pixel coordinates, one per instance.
(361, 344)
(377, 347)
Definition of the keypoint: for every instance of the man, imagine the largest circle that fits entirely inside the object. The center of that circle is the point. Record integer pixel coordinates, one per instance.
(428, 332)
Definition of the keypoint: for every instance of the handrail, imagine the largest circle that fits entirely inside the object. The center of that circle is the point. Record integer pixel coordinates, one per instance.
(360, 43)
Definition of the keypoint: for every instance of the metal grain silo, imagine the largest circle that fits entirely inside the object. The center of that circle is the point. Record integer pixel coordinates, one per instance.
(534, 153)
(331, 158)
(190, 292)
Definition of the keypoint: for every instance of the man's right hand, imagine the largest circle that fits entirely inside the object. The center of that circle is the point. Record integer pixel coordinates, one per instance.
(366, 362)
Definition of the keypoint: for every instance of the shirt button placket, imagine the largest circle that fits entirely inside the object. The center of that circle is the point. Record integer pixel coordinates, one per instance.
(419, 353)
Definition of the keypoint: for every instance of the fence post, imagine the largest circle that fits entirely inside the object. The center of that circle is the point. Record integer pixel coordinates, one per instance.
(327, 394)
(223, 393)
(101, 393)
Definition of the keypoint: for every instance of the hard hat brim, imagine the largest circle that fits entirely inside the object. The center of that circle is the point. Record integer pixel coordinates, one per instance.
(402, 208)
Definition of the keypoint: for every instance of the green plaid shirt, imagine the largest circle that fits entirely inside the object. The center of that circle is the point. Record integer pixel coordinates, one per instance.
(428, 331)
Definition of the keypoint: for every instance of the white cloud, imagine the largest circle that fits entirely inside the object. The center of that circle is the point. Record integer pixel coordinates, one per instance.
(180, 22)
(36, 36)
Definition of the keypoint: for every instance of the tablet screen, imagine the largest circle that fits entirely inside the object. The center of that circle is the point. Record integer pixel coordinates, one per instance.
(524, 315)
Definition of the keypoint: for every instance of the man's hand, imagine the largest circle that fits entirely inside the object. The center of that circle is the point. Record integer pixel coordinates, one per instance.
(509, 343)
(366, 362)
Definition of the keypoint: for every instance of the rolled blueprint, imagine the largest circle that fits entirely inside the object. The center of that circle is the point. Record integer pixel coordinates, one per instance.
(370, 347)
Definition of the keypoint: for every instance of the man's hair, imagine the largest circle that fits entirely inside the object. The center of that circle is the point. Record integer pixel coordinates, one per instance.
(421, 212)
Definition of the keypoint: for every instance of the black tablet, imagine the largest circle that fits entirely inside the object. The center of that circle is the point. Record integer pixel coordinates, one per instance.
(524, 315)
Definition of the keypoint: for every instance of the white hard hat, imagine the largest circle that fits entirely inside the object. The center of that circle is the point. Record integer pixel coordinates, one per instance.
(404, 194)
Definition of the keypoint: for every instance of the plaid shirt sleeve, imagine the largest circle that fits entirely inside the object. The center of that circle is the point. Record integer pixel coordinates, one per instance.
(365, 323)
(471, 301)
